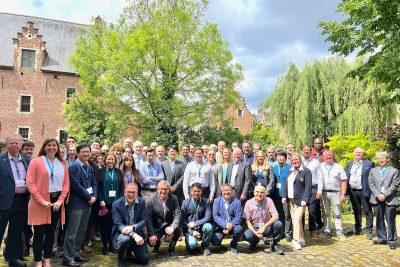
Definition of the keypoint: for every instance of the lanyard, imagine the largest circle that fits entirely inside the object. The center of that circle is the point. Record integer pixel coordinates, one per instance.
(197, 207)
(111, 174)
(201, 166)
(226, 207)
(357, 168)
(383, 171)
(17, 168)
(84, 171)
(51, 167)
(280, 169)
(328, 169)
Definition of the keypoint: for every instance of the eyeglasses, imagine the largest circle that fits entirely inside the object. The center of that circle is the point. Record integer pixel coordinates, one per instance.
(131, 192)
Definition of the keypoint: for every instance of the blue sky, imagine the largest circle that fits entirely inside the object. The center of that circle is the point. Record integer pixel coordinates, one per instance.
(264, 35)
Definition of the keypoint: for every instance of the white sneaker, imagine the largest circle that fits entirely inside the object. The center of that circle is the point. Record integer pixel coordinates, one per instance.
(296, 245)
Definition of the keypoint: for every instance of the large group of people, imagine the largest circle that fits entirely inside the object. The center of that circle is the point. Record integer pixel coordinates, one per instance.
(136, 196)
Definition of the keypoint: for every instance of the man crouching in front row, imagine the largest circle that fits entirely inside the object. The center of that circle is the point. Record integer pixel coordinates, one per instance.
(262, 220)
(129, 216)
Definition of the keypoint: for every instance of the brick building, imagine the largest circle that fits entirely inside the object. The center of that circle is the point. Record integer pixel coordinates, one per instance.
(243, 120)
(35, 76)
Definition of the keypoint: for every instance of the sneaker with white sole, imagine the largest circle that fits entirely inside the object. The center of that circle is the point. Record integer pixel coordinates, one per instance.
(341, 237)
(206, 252)
(296, 245)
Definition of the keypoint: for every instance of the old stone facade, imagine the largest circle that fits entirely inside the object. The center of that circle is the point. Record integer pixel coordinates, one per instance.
(35, 77)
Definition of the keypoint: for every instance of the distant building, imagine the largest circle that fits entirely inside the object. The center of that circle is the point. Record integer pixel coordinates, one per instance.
(35, 76)
(243, 120)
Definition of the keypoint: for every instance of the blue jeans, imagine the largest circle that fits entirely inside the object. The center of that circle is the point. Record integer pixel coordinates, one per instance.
(275, 230)
(206, 235)
(218, 236)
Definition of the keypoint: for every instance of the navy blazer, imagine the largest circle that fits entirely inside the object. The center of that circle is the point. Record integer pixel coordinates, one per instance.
(188, 214)
(366, 167)
(301, 186)
(120, 216)
(7, 182)
(79, 183)
(235, 212)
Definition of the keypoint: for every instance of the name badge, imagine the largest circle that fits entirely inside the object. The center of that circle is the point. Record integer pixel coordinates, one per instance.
(20, 183)
(112, 193)
(260, 225)
(153, 186)
(90, 190)
(302, 179)
(278, 185)
(382, 189)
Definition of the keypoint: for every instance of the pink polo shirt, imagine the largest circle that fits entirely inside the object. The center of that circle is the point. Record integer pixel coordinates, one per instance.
(259, 214)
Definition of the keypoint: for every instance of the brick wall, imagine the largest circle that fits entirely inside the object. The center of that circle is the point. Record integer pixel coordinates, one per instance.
(47, 91)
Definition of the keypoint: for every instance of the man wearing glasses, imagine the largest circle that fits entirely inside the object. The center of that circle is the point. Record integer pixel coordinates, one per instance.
(129, 217)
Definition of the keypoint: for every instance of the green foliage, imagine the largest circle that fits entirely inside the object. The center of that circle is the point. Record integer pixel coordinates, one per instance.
(164, 61)
(344, 146)
(391, 135)
(371, 28)
(207, 134)
(265, 136)
(320, 101)
(92, 118)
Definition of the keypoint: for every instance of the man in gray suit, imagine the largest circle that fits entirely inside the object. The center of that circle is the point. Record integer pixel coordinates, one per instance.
(239, 176)
(383, 181)
(173, 170)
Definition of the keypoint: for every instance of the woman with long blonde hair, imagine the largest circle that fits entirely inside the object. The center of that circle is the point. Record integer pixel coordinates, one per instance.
(262, 172)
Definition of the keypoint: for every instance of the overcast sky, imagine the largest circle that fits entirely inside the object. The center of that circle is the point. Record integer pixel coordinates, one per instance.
(264, 35)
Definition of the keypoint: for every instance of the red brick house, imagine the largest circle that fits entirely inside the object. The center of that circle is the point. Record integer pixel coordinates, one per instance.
(243, 120)
(35, 76)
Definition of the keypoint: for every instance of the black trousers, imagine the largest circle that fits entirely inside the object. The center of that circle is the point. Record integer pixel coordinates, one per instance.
(284, 215)
(174, 238)
(16, 218)
(43, 235)
(106, 224)
(360, 204)
(386, 232)
(314, 211)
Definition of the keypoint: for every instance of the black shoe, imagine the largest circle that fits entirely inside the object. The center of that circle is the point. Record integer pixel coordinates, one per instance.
(17, 263)
(80, 259)
(379, 242)
(278, 250)
(27, 251)
(121, 262)
(253, 247)
(392, 246)
(104, 250)
(289, 238)
(266, 242)
(69, 263)
(171, 253)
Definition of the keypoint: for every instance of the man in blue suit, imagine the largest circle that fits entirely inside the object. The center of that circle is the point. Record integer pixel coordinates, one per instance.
(83, 194)
(227, 214)
(281, 170)
(357, 172)
(14, 197)
(130, 216)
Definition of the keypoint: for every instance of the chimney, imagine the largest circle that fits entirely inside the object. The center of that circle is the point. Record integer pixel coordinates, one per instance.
(30, 26)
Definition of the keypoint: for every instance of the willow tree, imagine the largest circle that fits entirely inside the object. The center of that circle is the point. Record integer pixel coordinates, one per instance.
(320, 100)
(164, 60)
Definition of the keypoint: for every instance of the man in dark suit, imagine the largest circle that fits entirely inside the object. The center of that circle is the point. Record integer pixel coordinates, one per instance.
(14, 197)
(196, 220)
(163, 218)
(227, 214)
(173, 170)
(239, 175)
(186, 158)
(357, 172)
(384, 181)
(130, 216)
(83, 194)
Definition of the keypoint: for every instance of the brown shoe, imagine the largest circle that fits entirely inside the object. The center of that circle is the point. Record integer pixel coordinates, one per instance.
(314, 234)
(86, 249)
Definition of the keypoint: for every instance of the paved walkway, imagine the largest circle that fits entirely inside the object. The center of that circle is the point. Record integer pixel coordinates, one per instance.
(355, 251)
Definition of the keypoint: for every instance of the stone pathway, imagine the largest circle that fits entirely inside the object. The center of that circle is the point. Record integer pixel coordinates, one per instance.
(355, 251)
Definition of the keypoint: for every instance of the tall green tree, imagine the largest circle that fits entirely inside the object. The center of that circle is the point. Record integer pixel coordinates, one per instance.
(93, 118)
(320, 100)
(164, 61)
(371, 28)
